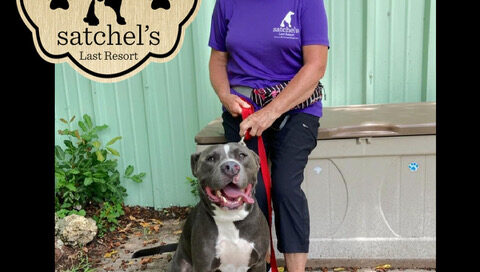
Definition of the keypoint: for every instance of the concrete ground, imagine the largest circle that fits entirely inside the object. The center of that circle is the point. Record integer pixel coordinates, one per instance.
(170, 233)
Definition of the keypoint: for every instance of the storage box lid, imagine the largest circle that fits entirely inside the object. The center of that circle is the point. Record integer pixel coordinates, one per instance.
(353, 121)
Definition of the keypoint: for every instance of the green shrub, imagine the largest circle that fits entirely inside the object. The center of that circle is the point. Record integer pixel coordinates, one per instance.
(193, 186)
(84, 174)
(107, 219)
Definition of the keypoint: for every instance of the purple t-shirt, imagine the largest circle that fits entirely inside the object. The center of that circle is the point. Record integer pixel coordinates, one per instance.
(264, 39)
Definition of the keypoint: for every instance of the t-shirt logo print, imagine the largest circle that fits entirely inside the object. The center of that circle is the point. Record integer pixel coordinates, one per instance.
(287, 19)
(286, 30)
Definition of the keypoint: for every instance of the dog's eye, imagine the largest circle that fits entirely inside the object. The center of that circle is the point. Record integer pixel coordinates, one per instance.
(211, 158)
(242, 155)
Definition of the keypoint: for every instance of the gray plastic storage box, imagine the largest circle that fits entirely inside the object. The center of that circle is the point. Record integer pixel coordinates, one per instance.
(370, 184)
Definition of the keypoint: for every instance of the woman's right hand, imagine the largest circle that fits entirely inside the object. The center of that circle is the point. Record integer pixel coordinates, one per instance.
(233, 104)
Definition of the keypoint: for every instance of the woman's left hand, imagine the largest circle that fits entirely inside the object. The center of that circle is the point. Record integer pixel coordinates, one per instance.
(298, 90)
(258, 122)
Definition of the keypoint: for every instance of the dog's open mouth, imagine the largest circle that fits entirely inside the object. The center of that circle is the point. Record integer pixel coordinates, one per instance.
(231, 196)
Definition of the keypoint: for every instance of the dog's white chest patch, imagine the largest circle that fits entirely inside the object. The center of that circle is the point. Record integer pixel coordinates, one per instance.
(233, 251)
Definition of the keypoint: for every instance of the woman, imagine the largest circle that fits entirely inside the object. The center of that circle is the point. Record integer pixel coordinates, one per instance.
(258, 44)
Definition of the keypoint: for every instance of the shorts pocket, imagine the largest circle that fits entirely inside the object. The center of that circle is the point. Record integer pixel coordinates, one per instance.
(310, 123)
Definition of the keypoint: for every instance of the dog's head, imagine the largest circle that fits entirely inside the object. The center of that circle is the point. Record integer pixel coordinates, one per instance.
(227, 174)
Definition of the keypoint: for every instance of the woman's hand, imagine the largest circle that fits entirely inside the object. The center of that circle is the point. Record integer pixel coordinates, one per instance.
(258, 122)
(233, 104)
(298, 90)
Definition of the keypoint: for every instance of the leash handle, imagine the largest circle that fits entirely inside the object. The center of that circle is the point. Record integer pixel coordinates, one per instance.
(245, 113)
(266, 181)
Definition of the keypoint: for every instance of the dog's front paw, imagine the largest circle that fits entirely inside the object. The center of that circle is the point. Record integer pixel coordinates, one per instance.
(91, 20)
(121, 20)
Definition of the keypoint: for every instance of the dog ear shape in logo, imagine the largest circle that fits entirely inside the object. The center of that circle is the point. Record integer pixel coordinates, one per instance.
(287, 19)
(108, 40)
(92, 20)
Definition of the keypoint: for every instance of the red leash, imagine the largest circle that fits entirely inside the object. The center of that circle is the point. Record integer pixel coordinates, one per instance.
(266, 180)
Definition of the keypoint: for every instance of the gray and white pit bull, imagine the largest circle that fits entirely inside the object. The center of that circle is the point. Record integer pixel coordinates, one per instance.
(226, 231)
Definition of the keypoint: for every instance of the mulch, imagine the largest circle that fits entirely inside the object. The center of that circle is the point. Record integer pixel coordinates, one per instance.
(136, 222)
(134, 217)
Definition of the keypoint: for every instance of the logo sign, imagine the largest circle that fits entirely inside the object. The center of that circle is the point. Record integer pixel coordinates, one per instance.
(108, 40)
(286, 29)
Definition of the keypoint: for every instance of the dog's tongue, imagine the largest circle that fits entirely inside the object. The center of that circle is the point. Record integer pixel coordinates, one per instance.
(232, 191)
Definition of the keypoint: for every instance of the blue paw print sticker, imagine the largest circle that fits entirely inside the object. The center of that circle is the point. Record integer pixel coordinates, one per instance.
(413, 166)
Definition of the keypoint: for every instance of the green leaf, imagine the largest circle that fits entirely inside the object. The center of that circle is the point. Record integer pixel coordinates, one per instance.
(59, 153)
(87, 181)
(69, 144)
(66, 205)
(61, 213)
(100, 156)
(99, 180)
(129, 171)
(88, 121)
(136, 179)
(60, 175)
(82, 126)
(71, 187)
(113, 151)
(112, 141)
(111, 187)
(96, 144)
(74, 171)
(87, 137)
(114, 177)
(98, 128)
(100, 175)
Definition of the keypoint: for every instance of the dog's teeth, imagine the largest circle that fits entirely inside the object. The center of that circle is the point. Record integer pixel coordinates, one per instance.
(219, 194)
(224, 199)
(239, 198)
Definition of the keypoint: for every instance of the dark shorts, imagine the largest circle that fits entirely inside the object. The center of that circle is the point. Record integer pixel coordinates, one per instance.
(288, 148)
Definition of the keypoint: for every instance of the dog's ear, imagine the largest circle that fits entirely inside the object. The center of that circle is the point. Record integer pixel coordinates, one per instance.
(193, 161)
(256, 158)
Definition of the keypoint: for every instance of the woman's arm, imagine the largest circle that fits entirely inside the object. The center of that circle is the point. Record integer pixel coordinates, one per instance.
(298, 90)
(219, 80)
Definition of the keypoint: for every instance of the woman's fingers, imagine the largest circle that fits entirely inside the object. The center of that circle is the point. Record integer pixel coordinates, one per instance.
(242, 103)
(235, 105)
(258, 122)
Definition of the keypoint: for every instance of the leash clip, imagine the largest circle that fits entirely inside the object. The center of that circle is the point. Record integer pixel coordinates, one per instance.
(242, 142)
